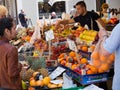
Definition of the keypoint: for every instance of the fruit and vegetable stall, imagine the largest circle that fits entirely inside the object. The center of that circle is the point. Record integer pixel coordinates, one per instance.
(49, 56)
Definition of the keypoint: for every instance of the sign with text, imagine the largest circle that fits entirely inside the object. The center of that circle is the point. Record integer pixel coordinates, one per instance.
(49, 35)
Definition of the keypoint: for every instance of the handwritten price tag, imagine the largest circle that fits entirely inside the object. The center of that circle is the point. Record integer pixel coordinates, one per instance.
(72, 45)
(56, 72)
(49, 35)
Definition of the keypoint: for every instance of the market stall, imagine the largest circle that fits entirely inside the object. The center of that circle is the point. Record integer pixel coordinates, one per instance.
(47, 54)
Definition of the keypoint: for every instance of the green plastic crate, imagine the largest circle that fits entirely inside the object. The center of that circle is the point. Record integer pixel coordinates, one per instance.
(75, 88)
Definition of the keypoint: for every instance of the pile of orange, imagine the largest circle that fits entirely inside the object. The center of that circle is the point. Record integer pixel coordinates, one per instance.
(26, 38)
(101, 62)
(92, 47)
(83, 61)
(41, 83)
(33, 82)
(91, 69)
(84, 48)
(68, 60)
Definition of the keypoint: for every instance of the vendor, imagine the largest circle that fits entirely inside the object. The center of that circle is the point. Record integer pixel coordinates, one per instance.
(3, 11)
(84, 18)
(9, 66)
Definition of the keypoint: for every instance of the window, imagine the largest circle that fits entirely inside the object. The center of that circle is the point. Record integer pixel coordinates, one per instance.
(46, 9)
(99, 4)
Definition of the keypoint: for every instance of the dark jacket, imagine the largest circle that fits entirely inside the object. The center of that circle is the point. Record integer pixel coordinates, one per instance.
(9, 66)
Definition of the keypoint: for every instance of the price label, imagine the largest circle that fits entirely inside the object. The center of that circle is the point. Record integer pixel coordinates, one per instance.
(56, 81)
(49, 35)
(72, 45)
(58, 71)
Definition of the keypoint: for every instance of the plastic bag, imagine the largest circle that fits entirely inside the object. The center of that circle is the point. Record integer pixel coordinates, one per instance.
(36, 35)
(68, 83)
(101, 62)
(65, 16)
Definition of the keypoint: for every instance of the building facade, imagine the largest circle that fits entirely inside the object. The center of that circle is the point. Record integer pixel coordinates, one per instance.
(12, 8)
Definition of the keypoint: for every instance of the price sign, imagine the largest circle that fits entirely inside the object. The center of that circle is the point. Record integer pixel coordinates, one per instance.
(72, 45)
(49, 35)
(58, 71)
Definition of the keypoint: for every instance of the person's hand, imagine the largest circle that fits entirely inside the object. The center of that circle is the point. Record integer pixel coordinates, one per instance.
(102, 33)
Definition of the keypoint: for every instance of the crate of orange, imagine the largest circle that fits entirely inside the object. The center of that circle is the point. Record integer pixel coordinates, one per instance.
(76, 69)
(86, 79)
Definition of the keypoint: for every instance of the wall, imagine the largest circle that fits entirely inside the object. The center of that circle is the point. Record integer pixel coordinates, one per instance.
(30, 7)
(114, 3)
(91, 5)
(19, 5)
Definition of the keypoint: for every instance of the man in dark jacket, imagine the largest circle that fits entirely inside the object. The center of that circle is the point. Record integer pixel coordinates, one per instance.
(23, 19)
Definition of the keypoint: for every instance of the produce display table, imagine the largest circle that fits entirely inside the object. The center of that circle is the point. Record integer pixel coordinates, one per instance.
(86, 79)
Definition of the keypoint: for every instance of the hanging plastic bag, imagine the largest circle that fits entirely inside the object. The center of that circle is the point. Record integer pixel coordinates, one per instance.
(68, 83)
(65, 16)
(101, 62)
(36, 35)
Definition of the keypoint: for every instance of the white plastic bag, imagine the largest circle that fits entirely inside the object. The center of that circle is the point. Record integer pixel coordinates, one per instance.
(36, 35)
(68, 83)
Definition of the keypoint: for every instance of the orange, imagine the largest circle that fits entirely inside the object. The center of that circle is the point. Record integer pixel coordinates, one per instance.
(95, 55)
(96, 63)
(35, 73)
(59, 60)
(74, 66)
(75, 58)
(33, 83)
(100, 70)
(50, 85)
(112, 57)
(61, 55)
(83, 61)
(88, 66)
(93, 69)
(92, 48)
(63, 62)
(103, 58)
(105, 67)
(31, 78)
(109, 62)
(89, 72)
(39, 83)
(27, 38)
(84, 48)
(72, 54)
(46, 80)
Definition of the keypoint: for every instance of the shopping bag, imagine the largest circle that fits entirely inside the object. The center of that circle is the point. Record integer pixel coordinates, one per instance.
(101, 62)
